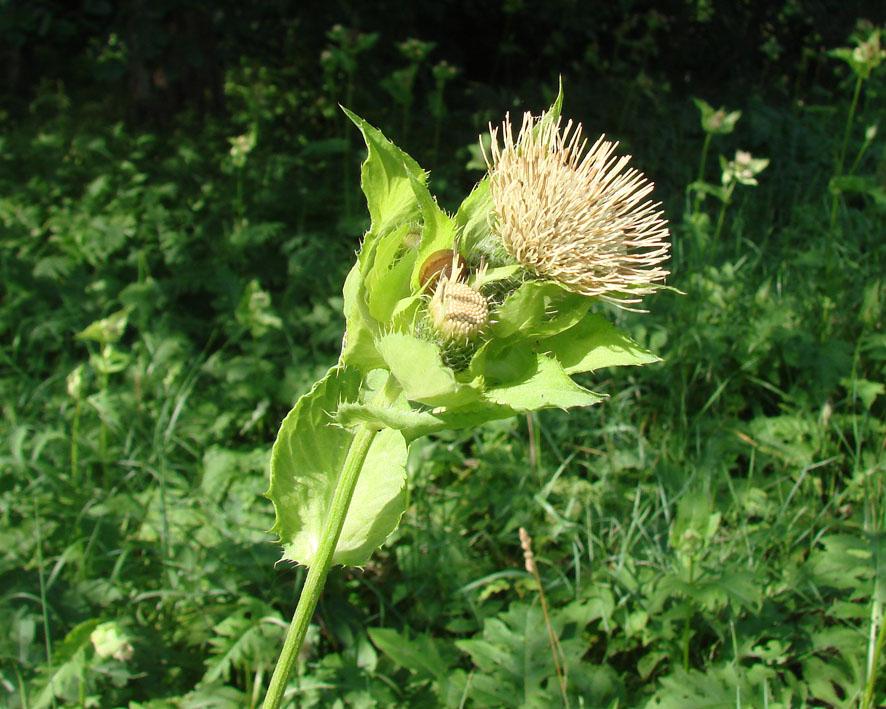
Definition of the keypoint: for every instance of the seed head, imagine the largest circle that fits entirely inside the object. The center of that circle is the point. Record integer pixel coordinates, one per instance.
(576, 216)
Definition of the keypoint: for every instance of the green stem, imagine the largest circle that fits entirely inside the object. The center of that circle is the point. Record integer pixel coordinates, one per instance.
(701, 167)
(239, 207)
(103, 436)
(310, 593)
(686, 634)
(47, 637)
(720, 219)
(719, 223)
(839, 172)
(75, 434)
(875, 660)
(437, 99)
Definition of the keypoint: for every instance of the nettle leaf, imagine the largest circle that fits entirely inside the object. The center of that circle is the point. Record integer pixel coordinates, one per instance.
(721, 684)
(251, 632)
(594, 343)
(515, 654)
(305, 463)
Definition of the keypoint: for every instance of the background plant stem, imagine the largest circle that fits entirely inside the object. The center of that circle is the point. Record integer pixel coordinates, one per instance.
(842, 159)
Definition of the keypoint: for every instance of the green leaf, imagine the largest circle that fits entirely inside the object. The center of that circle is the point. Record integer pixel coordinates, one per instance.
(509, 362)
(866, 390)
(68, 664)
(250, 632)
(107, 330)
(414, 424)
(538, 309)
(388, 277)
(254, 312)
(418, 368)
(594, 343)
(869, 185)
(548, 386)
(716, 121)
(472, 217)
(703, 187)
(305, 464)
(438, 230)
(385, 179)
(420, 655)
(358, 348)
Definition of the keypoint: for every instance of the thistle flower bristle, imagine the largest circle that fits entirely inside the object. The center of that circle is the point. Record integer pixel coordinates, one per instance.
(575, 215)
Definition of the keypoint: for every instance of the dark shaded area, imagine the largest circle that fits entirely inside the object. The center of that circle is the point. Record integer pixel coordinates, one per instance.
(155, 59)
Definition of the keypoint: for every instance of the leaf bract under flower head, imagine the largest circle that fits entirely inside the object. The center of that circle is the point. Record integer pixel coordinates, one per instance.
(576, 216)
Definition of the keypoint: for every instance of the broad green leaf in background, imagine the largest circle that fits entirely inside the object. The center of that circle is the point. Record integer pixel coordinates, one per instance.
(427, 658)
(305, 463)
(516, 668)
(70, 658)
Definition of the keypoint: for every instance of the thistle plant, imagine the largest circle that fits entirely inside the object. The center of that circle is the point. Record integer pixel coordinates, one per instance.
(741, 170)
(866, 56)
(713, 122)
(456, 320)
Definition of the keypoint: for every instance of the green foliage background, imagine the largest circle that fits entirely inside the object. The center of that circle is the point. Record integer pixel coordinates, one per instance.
(179, 206)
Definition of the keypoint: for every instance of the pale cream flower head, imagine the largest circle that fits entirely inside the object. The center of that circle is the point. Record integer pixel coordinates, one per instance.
(573, 215)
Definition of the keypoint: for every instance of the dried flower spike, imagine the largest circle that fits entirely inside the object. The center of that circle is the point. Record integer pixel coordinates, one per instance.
(576, 216)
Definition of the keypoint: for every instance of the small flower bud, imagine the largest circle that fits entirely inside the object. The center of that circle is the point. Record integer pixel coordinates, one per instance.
(75, 382)
(457, 310)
